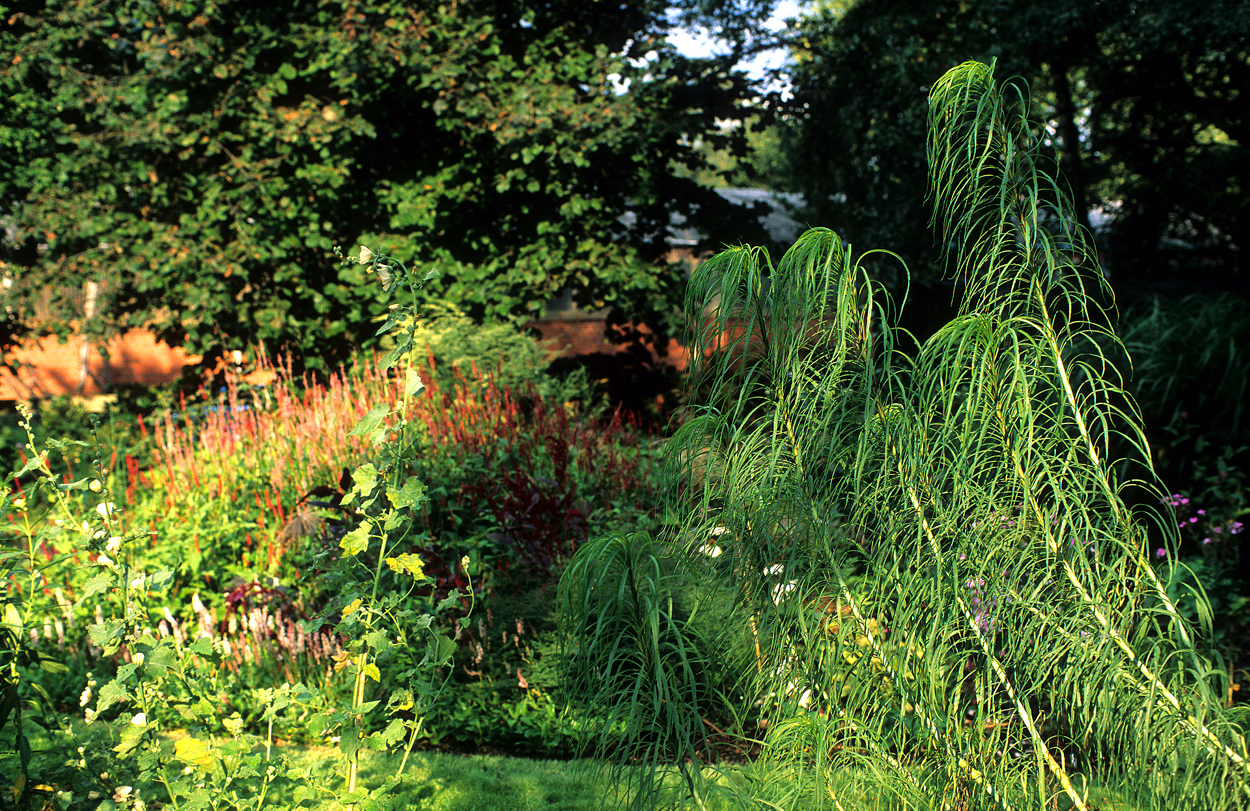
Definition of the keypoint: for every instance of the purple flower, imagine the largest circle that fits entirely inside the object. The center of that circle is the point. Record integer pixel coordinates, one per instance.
(1206, 540)
(1161, 553)
(1236, 528)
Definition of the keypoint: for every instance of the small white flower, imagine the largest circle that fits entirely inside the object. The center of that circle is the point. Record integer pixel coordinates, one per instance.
(85, 698)
(139, 720)
(105, 509)
(121, 793)
(780, 592)
(85, 528)
(88, 715)
(113, 546)
(95, 486)
(104, 560)
(139, 657)
(138, 582)
(365, 254)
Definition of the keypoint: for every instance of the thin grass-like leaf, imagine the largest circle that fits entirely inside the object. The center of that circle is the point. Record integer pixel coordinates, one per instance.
(945, 583)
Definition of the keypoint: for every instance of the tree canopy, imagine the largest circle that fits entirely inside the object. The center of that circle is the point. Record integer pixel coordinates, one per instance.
(199, 161)
(1142, 101)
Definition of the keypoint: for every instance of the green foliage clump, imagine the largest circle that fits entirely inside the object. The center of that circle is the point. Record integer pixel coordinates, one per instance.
(162, 679)
(1143, 98)
(199, 162)
(947, 586)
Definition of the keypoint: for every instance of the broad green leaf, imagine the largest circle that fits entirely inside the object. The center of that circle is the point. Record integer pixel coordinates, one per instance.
(12, 618)
(439, 650)
(195, 752)
(52, 665)
(370, 424)
(356, 541)
(410, 495)
(349, 744)
(394, 732)
(412, 383)
(110, 694)
(99, 583)
(407, 563)
(364, 480)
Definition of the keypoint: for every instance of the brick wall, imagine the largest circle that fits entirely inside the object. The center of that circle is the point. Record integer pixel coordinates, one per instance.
(50, 368)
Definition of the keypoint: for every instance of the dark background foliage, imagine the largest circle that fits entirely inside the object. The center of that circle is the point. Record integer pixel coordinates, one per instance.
(1143, 101)
(199, 161)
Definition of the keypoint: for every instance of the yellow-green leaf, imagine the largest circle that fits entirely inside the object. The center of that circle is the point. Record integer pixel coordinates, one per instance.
(407, 563)
(190, 750)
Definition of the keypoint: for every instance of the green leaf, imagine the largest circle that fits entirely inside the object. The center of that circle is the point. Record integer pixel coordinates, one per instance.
(370, 424)
(439, 650)
(51, 665)
(412, 383)
(161, 581)
(98, 584)
(378, 640)
(394, 732)
(106, 634)
(349, 744)
(110, 694)
(12, 617)
(195, 752)
(364, 480)
(452, 600)
(357, 540)
(410, 495)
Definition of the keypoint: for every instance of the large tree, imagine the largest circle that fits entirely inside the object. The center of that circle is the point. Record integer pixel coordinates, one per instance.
(198, 162)
(1143, 101)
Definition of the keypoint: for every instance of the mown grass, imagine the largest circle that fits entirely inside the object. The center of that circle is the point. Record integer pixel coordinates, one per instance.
(438, 781)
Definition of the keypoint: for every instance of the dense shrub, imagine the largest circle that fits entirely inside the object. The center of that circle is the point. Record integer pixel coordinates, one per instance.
(240, 505)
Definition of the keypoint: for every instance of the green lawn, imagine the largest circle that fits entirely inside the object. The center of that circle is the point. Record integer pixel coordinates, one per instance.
(449, 782)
